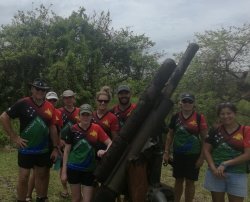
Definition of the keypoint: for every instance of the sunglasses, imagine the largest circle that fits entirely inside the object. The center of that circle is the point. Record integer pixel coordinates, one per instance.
(103, 101)
(187, 101)
(40, 89)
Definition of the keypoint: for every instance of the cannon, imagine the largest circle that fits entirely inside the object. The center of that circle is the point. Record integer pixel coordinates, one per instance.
(118, 170)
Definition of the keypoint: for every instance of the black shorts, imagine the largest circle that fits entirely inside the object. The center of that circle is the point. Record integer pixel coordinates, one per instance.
(30, 160)
(80, 177)
(184, 166)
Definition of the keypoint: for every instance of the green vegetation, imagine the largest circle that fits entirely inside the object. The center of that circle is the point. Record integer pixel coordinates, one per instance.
(9, 169)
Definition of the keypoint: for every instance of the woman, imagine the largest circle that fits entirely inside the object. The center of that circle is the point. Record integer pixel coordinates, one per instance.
(79, 160)
(227, 150)
(187, 131)
(102, 116)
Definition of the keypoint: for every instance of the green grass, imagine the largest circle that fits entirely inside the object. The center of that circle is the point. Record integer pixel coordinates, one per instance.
(201, 195)
(8, 178)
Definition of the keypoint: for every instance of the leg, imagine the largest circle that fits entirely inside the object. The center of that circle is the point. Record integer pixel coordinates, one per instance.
(189, 190)
(76, 192)
(65, 192)
(87, 193)
(232, 198)
(31, 184)
(218, 196)
(22, 184)
(41, 180)
(178, 189)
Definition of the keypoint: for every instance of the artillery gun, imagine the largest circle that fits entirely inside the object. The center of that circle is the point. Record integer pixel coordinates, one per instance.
(132, 165)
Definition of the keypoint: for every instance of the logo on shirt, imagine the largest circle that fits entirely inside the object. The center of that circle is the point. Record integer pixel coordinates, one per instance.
(48, 112)
(93, 133)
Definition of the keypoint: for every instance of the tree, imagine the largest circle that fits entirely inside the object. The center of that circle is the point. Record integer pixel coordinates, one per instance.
(79, 52)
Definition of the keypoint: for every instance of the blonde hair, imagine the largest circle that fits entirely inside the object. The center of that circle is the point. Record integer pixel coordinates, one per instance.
(105, 90)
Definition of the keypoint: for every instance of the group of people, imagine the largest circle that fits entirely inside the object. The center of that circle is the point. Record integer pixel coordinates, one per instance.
(225, 147)
(80, 136)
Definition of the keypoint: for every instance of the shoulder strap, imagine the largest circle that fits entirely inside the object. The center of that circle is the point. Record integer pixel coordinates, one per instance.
(198, 119)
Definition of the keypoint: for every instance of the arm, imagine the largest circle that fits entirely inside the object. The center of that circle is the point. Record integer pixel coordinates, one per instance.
(65, 160)
(203, 135)
(207, 148)
(55, 141)
(238, 160)
(101, 152)
(168, 144)
(6, 123)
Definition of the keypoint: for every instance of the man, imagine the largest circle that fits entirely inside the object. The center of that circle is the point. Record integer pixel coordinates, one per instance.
(124, 108)
(52, 98)
(70, 116)
(37, 125)
(187, 131)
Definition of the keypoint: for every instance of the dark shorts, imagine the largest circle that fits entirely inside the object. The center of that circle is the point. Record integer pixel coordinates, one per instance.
(80, 177)
(30, 160)
(184, 166)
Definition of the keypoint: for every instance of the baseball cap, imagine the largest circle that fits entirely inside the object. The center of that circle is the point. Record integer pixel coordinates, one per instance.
(51, 95)
(40, 83)
(187, 96)
(86, 108)
(123, 88)
(68, 93)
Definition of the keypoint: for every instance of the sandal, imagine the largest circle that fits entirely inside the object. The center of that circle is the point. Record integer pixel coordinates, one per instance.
(28, 199)
(64, 195)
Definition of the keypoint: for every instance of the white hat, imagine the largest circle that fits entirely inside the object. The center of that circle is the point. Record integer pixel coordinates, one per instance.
(68, 93)
(51, 95)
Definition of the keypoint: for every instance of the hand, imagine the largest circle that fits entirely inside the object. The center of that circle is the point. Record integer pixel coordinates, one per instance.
(101, 152)
(20, 142)
(62, 143)
(219, 171)
(64, 176)
(166, 157)
(199, 162)
(54, 154)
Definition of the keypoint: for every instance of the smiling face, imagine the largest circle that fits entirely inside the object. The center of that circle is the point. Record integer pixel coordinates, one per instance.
(85, 118)
(124, 97)
(102, 102)
(38, 93)
(227, 116)
(69, 101)
(187, 105)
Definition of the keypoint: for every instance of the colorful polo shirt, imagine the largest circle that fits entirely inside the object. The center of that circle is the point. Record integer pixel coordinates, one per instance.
(123, 115)
(83, 142)
(227, 146)
(34, 124)
(69, 119)
(186, 133)
(108, 122)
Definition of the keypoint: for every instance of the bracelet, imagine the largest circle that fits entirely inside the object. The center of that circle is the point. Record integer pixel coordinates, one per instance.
(166, 151)
(224, 165)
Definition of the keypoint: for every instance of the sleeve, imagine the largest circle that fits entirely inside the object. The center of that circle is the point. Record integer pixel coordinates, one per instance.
(246, 133)
(114, 127)
(172, 122)
(102, 136)
(14, 111)
(69, 136)
(203, 123)
(210, 137)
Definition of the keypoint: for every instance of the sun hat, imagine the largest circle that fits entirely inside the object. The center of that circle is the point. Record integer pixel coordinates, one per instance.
(40, 83)
(123, 88)
(86, 108)
(51, 95)
(187, 96)
(68, 93)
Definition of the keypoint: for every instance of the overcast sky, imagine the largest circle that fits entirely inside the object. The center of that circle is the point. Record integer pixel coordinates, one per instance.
(171, 24)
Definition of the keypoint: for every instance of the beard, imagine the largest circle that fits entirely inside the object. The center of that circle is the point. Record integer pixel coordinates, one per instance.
(124, 100)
